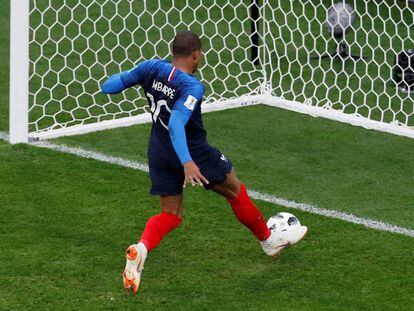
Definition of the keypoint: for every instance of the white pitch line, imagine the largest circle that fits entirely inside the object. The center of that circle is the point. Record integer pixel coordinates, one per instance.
(92, 155)
(367, 222)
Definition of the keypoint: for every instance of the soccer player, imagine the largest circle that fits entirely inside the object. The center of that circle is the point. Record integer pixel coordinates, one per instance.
(178, 154)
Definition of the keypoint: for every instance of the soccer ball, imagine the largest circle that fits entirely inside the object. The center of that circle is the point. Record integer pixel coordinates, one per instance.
(282, 221)
(340, 18)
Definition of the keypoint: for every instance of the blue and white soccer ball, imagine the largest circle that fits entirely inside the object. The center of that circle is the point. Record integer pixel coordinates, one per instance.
(282, 221)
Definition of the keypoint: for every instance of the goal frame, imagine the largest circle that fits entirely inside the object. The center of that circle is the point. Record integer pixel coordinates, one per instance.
(19, 88)
(19, 71)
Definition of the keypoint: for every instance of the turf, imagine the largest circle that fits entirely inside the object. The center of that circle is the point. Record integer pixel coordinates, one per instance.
(63, 234)
(316, 161)
(66, 221)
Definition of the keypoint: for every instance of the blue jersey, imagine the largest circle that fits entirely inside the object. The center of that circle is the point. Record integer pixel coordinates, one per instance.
(177, 134)
(168, 89)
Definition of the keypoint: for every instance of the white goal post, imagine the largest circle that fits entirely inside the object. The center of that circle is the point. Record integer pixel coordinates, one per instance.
(256, 52)
(19, 72)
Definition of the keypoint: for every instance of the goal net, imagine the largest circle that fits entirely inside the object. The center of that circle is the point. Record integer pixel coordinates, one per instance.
(75, 45)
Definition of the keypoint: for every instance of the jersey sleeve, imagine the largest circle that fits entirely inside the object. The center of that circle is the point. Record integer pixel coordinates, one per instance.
(137, 74)
(121, 81)
(176, 128)
(190, 95)
(113, 85)
(189, 98)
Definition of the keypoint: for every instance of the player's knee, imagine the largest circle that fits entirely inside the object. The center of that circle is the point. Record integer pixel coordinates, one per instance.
(229, 189)
(232, 191)
(176, 210)
(230, 195)
(172, 210)
(172, 205)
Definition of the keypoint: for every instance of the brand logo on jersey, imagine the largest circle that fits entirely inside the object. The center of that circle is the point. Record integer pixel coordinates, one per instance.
(160, 87)
(190, 102)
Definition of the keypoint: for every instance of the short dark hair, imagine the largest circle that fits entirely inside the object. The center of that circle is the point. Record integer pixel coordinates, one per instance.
(185, 43)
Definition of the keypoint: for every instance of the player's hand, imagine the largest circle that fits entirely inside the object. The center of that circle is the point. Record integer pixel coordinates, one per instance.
(193, 175)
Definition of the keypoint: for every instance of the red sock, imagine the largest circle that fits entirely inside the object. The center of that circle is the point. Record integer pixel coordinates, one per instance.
(157, 228)
(248, 214)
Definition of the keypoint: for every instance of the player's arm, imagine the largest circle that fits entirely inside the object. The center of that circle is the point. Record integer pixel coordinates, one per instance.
(176, 127)
(180, 115)
(123, 80)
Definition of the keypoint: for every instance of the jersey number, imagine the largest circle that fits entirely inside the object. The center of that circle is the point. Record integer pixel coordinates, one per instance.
(156, 108)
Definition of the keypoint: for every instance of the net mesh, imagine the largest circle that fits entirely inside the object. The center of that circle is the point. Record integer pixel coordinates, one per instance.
(76, 45)
(296, 36)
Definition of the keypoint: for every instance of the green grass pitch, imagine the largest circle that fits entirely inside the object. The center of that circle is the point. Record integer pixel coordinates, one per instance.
(66, 221)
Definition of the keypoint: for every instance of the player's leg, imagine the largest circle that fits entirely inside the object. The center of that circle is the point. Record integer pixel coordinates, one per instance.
(243, 207)
(167, 183)
(156, 228)
(250, 216)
